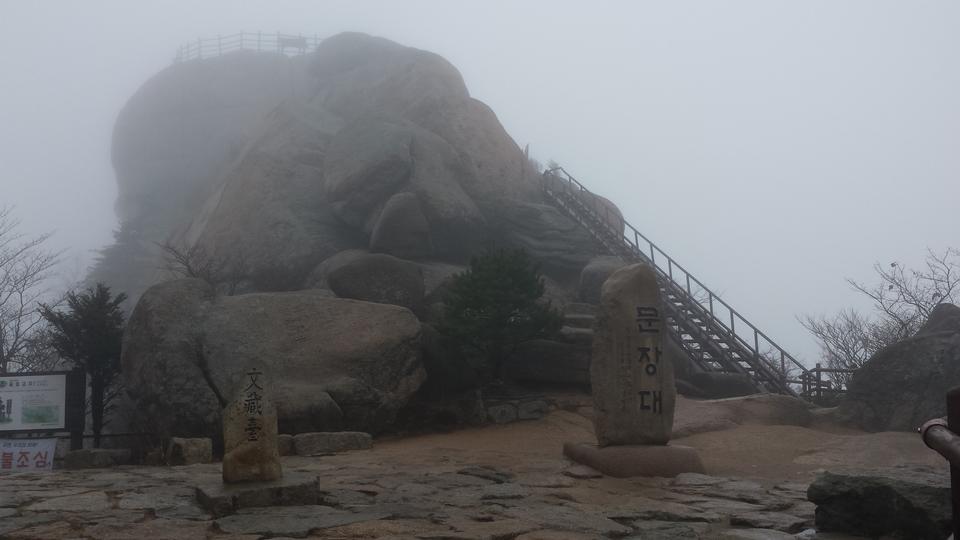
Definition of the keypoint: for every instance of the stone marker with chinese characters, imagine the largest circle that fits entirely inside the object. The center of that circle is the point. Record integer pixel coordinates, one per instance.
(632, 381)
(634, 392)
(250, 434)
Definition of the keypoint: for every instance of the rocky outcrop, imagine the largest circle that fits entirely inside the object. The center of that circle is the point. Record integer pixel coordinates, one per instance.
(363, 143)
(904, 385)
(904, 502)
(184, 350)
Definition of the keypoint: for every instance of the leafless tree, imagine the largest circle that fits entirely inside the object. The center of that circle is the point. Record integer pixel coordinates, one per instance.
(25, 265)
(903, 299)
(223, 271)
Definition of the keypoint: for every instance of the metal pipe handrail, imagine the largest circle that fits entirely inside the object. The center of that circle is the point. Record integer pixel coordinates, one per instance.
(734, 315)
(940, 434)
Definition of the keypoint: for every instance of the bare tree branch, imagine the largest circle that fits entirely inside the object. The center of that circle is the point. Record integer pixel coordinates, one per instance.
(25, 266)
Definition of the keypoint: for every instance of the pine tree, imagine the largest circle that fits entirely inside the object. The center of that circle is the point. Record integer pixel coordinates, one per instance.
(89, 335)
(495, 304)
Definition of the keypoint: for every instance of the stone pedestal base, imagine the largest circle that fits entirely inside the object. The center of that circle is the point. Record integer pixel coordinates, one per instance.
(639, 460)
(294, 489)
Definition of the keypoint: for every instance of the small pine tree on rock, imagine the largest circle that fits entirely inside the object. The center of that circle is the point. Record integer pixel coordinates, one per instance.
(496, 304)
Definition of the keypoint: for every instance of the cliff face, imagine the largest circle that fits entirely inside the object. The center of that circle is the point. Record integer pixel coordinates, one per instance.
(283, 162)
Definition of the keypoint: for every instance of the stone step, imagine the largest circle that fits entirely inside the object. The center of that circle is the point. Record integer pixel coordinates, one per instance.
(579, 320)
(573, 335)
(580, 308)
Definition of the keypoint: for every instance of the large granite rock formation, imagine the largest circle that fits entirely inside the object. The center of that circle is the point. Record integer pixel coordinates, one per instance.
(363, 143)
(905, 384)
(333, 362)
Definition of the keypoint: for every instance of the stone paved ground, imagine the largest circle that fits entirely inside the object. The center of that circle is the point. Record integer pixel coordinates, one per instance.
(501, 482)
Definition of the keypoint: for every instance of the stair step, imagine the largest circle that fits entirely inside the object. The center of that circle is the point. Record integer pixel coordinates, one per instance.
(579, 320)
(580, 308)
(576, 335)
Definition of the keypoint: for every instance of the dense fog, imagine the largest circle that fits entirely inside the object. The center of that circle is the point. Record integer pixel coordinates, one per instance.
(774, 149)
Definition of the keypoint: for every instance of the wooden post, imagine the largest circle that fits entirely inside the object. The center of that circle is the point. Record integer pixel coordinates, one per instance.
(819, 386)
(75, 415)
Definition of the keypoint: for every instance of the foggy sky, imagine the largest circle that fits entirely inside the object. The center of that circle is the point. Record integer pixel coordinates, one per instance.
(772, 148)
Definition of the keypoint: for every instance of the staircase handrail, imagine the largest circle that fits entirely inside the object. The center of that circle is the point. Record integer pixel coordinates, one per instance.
(608, 216)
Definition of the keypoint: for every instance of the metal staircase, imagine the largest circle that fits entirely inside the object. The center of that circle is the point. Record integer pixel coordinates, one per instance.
(714, 335)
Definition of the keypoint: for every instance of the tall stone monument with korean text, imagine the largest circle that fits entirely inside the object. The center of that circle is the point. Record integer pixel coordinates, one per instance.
(250, 450)
(632, 381)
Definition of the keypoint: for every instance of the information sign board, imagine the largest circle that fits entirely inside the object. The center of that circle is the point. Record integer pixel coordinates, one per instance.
(33, 402)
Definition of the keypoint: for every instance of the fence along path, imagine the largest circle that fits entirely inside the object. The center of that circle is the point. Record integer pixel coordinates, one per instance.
(715, 336)
(287, 44)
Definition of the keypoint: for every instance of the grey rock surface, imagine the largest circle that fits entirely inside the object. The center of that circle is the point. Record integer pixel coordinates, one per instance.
(913, 502)
(379, 278)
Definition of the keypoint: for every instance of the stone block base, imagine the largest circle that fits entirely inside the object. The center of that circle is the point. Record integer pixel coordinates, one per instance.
(636, 460)
(294, 489)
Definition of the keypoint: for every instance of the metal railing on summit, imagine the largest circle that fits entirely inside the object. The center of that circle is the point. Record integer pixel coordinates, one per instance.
(277, 42)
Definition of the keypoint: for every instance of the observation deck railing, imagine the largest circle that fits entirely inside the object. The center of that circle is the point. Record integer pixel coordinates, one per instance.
(286, 44)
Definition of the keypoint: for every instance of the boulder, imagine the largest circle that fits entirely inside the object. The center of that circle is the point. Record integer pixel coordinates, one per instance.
(631, 374)
(904, 385)
(184, 350)
(402, 230)
(379, 278)
(906, 502)
(188, 451)
(313, 444)
(943, 318)
(594, 274)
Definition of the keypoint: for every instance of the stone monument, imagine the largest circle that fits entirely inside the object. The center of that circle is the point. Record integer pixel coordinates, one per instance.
(632, 380)
(250, 450)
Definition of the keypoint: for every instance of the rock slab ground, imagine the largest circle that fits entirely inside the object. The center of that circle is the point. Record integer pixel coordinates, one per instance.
(505, 481)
